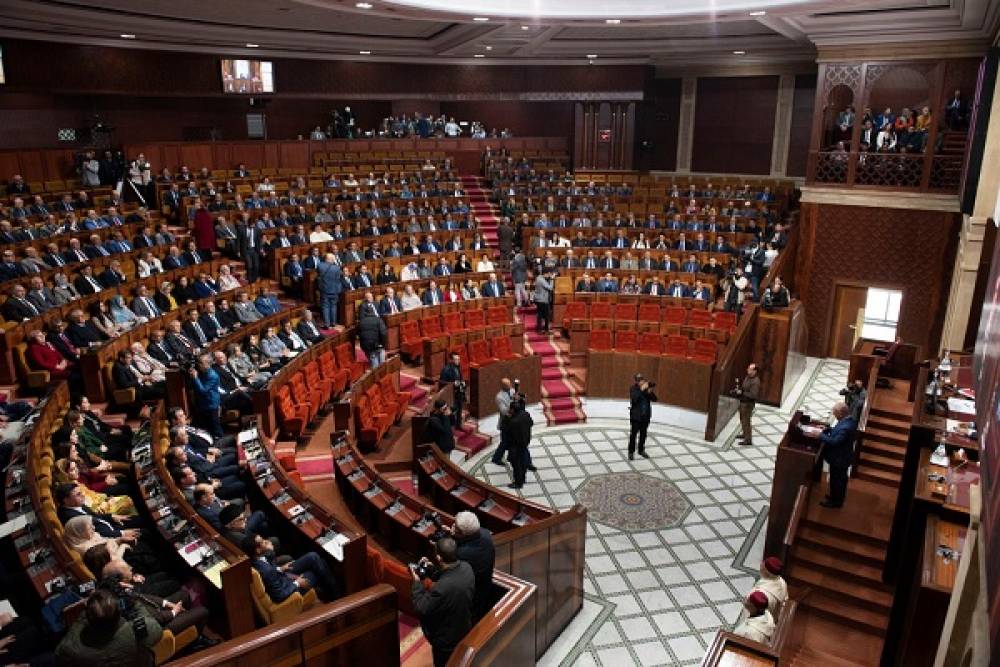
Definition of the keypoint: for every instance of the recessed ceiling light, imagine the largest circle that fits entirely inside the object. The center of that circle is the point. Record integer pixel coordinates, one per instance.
(739, 53)
(479, 55)
(253, 46)
(591, 55)
(363, 5)
(489, 48)
(525, 27)
(760, 12)
(126, 35)
(365, 53)
(613, 21)
(480, 18)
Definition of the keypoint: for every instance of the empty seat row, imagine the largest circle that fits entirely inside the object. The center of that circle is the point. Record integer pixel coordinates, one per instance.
(698, 349)
(304, 394)
(413, 333)
(381, 406)
(648, 312)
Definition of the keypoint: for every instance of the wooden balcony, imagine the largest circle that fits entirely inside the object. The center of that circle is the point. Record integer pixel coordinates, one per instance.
(937, 173)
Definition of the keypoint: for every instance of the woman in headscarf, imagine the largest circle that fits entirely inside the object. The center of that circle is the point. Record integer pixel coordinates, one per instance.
(122, 315)
(67, 471)
(79, 535)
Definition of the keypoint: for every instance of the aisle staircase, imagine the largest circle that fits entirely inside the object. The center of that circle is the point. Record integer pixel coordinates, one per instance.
(561, 392)
(485, 211)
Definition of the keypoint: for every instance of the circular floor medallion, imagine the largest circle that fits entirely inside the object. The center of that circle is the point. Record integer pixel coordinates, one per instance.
(633, 501)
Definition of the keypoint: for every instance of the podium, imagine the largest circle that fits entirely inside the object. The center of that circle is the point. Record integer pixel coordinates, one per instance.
(798, 454)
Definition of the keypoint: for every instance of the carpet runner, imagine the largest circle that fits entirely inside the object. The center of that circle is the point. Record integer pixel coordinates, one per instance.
(560, 395)
(481, 206)
(315, 467)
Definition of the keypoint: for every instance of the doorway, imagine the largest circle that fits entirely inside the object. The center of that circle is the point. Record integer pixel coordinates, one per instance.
(862, 312)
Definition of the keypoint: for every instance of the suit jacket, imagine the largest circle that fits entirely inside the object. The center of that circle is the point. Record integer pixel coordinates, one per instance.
(145, 307)
(104, 524)
(385, 308)
(192, 333)
(81, 335)
(427, 297)
(279, 586)
(838, 442)
(124, 376)
(179, 344)
(16, 310)
(110, 278)
(329, 278)
(84, 286)
(309, 331)
(491, 289)
(211, 325)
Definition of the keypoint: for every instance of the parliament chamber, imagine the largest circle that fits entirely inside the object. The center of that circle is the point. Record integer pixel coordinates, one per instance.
(575, 334)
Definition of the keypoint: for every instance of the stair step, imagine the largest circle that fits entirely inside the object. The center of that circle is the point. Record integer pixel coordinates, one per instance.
(891, 437)
(860, 616)
(837, 586)
(808, 656)
(873, 460)
(844, 547)
(890, 415)
(885, 449)
(847, 535)
(834, 564)
(877, 476)
(885, 424)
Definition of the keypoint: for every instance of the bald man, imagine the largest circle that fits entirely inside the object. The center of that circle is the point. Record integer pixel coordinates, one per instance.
(328, 277)
(838, 453)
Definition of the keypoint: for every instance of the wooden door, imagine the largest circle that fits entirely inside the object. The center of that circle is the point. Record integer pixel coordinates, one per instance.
(848, 300)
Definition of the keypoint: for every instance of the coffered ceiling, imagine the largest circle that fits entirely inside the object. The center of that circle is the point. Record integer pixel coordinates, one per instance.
(667, 33)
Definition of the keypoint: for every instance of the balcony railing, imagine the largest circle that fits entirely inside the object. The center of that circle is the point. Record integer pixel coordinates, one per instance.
(898, 171)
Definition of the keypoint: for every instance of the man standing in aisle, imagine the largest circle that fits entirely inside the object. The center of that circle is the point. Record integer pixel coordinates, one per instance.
(747, 393)
(330, 283)
(543, 300)
(519, 438)
(838, 453)
(503, 400)
(248, 247)
(519, 276)
(640, 411)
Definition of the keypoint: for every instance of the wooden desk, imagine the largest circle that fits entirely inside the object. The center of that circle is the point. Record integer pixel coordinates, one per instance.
(951, 495)
(484, 382)
(685, 383)
(798, 454)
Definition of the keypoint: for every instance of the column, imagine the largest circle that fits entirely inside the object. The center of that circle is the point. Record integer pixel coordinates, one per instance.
(970, 244)
(782, 125)
(685, 130)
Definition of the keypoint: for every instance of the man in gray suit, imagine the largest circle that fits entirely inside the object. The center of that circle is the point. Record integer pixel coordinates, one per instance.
(519, 276)
(503, 399)
(543, 300)
(328, 280)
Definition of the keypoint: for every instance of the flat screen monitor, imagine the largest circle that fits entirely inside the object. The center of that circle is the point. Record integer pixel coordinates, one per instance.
(247, 77)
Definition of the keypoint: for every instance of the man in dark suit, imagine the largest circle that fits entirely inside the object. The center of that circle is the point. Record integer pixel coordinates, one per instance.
(678, 290)
(654, 288)
(838, 453)
(305, 572)
(641, 398)
(390, 304)
(308, 330)
(86, 283)
(113, 276)
(493, 287)
(72, 503)
(210, 322)
(17, 307)
(248, 243)
(607, 284)
(439, 427)
(193, 330)
(445, 610)
(432, 296)
(329, 281)
(126, 378)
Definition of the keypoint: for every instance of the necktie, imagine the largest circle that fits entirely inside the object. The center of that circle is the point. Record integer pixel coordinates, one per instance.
(201, 334)
(434, 298)
(392, 306)
(96, 285)
(30, 305)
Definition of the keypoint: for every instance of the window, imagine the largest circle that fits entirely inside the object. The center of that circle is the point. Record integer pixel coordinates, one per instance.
(881, 314)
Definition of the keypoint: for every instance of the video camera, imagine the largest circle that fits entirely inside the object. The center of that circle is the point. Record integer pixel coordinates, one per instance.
(424, 569)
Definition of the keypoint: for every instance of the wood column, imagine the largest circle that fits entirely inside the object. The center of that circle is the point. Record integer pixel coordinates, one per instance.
(782, 125)
(685, 130)
(604, 136)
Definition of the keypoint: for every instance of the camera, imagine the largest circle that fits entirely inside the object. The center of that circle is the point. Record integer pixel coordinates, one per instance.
(424, 569)
(460, 387)
(517, 385)
(126, 601)
(439, 531)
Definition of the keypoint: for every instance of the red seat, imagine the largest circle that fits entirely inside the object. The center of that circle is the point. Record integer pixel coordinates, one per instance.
(453, 322)
(502, 349)
(371, 426)
(411, 341)
(347, 361)
(625, 341)
(380, 404)
(677, 346)
(650, 343)
(674, 315)
(601, 310)
(303, 395)
(292, 415)
(431, 327)
(463, 354)
(497, 315)
(315, 379)
(600, 340)
(724, 320)
(649, 312)
(575, 310)
(339, 377)
(626, 311)
(475, 319)
(700, 318)
(389, 393)
(705, 349)
(479, 354)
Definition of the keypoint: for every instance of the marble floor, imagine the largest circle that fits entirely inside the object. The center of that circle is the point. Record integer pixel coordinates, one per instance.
(657, 596)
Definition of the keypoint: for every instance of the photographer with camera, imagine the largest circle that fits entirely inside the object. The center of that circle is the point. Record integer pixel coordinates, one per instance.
(855, 395)
(439, 427)
(107, 635)
(518, 439)
(776, 296)
(640, 411)
(475, 547)
(508, 392)
(452, 372)
(747, 393)
(372, 332)
(445, 609)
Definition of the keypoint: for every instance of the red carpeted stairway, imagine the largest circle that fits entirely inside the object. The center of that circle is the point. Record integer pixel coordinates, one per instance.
(482, 207)
(468, 439)
(560, 393)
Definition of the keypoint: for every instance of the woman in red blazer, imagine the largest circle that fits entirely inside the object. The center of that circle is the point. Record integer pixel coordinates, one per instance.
(42, 355)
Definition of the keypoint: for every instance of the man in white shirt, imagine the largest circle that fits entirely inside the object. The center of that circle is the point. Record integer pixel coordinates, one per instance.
(758, 624)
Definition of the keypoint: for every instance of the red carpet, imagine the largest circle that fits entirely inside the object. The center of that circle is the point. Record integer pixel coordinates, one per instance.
(560, 402)
(418, 393)
(314, 467)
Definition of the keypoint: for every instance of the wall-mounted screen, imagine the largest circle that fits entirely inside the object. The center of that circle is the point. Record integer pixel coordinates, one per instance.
(247, 77)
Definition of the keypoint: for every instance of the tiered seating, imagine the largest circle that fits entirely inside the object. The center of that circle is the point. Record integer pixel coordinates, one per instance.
(292, 415)
(692, 322)
(479, 353)
(346, 360)
(390, 394)
(270, 611)
(339, 378)
(371, 424)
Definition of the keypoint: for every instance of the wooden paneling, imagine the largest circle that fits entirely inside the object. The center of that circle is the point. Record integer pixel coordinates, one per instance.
(293, 154)
(912, 250)
(802, 111)
(734, 124)
(604, 134)
(658, 122)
